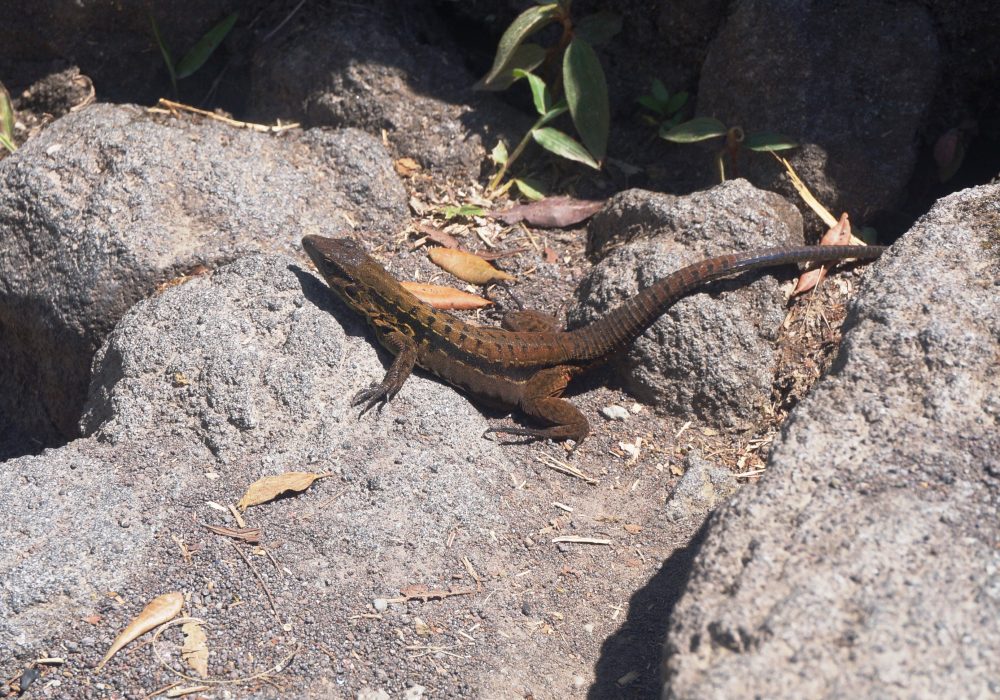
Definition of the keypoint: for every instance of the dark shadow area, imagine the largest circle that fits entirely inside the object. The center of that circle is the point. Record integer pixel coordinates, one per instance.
(637, 646)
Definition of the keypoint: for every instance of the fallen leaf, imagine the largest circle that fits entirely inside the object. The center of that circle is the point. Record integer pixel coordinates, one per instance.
(441, 297)
(405, 167)
(187, 690)
(250, 535)
(161, 609)
(195, 651)
(551, 212)
(466, 266)
(270, 487)
(438, 236)
(838, 234)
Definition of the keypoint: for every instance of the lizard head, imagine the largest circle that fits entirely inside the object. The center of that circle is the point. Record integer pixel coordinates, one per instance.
(345, 266)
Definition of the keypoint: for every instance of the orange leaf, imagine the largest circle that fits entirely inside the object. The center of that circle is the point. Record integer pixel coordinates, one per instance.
(270, 487)
(441, 297)
(838, 234)
(405, 167)
(466, 266)
(161, 609)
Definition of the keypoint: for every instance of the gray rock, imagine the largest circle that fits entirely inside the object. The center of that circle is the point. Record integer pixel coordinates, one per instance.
(711, 355)
(197, 393)
(345, 69)
(865, 562)
(702, 488)
(783, 67)
(109, 201)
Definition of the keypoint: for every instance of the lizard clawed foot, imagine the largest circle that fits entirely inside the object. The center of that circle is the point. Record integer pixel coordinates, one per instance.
(376, 394)
(534, 434)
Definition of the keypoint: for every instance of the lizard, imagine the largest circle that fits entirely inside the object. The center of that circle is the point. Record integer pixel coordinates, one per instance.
(528, 362)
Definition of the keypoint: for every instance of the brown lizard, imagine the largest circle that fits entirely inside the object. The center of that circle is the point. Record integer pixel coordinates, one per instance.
(527, 363)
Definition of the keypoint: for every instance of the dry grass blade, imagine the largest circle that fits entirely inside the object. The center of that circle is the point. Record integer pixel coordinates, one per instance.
(165, 106)
(160, 610)
(806, 195)
(419, 591)
(576, 539)
(250, 535)
(564, 468)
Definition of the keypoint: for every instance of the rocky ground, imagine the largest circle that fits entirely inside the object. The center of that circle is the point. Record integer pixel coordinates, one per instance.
(728, 529)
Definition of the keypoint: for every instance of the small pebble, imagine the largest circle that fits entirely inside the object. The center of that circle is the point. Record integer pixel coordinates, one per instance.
(614, 412)
(380, 605)
(414, 692)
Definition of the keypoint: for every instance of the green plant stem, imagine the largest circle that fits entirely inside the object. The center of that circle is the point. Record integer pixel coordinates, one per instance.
(495, 181)
(720, 164)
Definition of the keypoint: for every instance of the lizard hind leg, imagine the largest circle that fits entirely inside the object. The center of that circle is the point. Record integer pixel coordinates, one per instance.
(542, 401)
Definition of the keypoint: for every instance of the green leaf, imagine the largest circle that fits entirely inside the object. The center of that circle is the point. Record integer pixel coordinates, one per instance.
(531, 189)
(768, 141)
(539, 92)
(164, 51)
(7, 143)
(499, 153)
(526, 24)
(558, 109)
(557, 142)
(206, 46)
(599, 27)
(676, 102)
(697, 129)
(466, 210)
(526, 58)
(6, 115)
(660, 92)
(587, 96)
(651, 103)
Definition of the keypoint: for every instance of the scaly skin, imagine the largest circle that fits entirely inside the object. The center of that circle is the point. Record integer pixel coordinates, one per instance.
(528, 363)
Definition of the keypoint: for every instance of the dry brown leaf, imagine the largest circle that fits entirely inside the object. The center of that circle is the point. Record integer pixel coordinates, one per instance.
(441, 297)
(270, 487)
(551, 212)
(161, 609)
(250, 535)
(838, 234)
(466, 266)
(195, 650)
(406, 167)
(438, 236)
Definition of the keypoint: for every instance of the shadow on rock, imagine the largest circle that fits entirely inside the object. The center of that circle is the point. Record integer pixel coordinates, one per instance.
(637, 646)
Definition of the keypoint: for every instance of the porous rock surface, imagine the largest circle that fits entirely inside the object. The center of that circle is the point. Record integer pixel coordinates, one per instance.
(110, 201)
(711, 355)
(782, 67)
(197, 393)
(866, 562)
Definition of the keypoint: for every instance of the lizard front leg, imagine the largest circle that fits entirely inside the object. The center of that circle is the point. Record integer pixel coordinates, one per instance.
(405, 350)
(542, 400)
